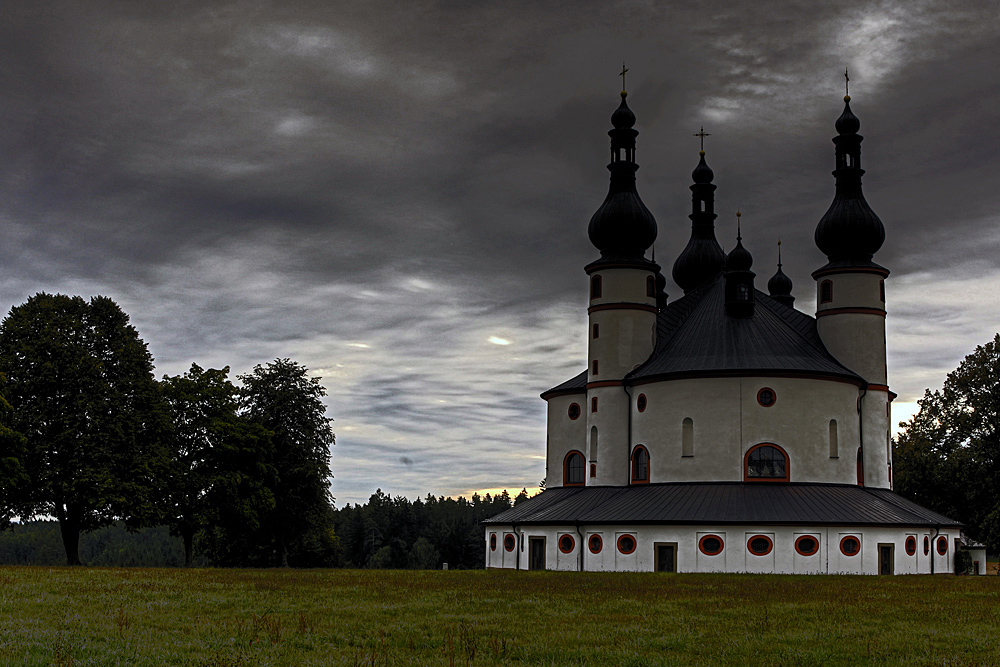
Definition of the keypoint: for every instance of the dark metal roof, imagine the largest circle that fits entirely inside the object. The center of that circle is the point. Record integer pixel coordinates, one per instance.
(722, 503)
(696, 337)
(575, 385)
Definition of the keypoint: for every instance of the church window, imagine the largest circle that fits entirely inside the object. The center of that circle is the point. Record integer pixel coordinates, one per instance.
(687, 437)
(574, 411)
(881, 290)
(593, 404)
(595, 367)
(493, 542)
(850, 546)
(911, 545)
(927, 545)
(640, 403)
(593, 443)
(760, 545)
(593, 470)
(573, 469)
(766, 463)
(650, 286)
(826, 291)
(806, 545)
(710, 545)
(766, 397)
(595, 544)
(508, 542)
(833, 439)
(626, 544)
(640, 465)
(942, 545)
(597, 331)
(742, 292)
(595, 287)
(566, 543)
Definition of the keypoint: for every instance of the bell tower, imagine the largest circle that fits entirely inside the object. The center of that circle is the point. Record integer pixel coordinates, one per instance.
(623, 305)
(850, 313)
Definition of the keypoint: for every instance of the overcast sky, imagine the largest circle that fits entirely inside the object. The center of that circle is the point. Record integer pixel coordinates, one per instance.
(396, 194)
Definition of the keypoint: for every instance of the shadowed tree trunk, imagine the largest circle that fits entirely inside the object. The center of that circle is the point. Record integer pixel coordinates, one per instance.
(70, 519)
(187, 534)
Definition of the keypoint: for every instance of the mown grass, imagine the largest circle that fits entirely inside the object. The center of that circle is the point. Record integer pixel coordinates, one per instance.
(235, 618)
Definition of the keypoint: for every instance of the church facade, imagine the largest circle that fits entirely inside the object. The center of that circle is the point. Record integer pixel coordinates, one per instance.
(725, 430)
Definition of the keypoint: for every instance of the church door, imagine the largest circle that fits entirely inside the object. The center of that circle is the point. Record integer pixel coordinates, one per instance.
(885, 558)
(666, 557)
(536, 553)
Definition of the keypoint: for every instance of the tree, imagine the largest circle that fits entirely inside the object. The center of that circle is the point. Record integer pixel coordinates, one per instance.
(14, 481)
(81, 386)
(948, 456)
(218, 470)
(284, 400)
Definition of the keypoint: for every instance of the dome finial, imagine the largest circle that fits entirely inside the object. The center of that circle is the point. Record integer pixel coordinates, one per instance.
(847, 86)
(622, 74)
(739, 237)
(779, 253)
(702, 134)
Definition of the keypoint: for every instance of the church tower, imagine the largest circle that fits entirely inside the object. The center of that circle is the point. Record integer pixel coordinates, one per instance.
(623, 306)
(850, 311)
(702, 258)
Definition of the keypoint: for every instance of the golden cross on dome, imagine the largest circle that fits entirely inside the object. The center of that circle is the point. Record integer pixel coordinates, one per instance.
(703, 134)
(622, 75)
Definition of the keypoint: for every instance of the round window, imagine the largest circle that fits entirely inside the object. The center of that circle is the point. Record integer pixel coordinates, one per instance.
(566, 543)
(760, 545)
(766, 397)
(806, 545)
(927, 545)
(508, 542)
(595, 544)
(640, 402)
(710, 545)
(574, 411)
(911, 545)
(626, 544)
(850, 546)
(493, 541)
(942, 545)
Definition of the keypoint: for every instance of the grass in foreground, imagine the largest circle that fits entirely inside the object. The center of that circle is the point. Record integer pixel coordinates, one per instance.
(232, 618)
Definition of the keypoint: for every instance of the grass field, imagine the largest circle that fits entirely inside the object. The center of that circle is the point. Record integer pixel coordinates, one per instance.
(230, 618)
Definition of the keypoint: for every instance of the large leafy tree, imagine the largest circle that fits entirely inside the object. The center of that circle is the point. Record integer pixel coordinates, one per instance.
(80, 382)
(13, 476)
(219, 473)
(283, 399)
(948, 456)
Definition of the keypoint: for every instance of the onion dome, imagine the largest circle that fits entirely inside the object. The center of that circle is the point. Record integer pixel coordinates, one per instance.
(739, 289)
(622, 228)
(779, 287)
(702, 258)
(850, 233)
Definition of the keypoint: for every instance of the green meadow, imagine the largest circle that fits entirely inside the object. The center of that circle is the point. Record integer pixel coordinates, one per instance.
(231, 618)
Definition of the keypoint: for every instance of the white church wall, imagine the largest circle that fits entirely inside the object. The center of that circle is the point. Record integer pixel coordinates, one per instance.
(611, 420)
(854, 290)
(623, 286)
(857, 340)
(563, 435)
(876, 433)
(814, 564)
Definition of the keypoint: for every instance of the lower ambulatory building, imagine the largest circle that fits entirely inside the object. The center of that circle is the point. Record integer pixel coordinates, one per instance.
(725, 430)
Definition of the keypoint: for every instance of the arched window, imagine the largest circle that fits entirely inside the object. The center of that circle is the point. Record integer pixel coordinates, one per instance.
(640, 465)
(593, 443)
(650, 286)
(826, 291)
(766, 463)
(595, 287)
(881, 290)
(574, 469)
(687, 437)
(834, 445)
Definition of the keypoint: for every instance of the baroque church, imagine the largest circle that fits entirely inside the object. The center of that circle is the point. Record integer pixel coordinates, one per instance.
(725, 430)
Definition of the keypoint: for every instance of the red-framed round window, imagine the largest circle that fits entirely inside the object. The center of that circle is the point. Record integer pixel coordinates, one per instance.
(850, 546)
(710, 545)
(626, 544)
(911, 545)
(566, 543)
(509, 542)
(640, 403)
(574, 411)
(942, 545)
(766, 397)
(927, 545)
(806, 545)
(760, 545)
(595, 544)
(493, 541)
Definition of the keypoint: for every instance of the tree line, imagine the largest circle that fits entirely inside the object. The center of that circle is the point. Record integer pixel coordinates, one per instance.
(90, 438)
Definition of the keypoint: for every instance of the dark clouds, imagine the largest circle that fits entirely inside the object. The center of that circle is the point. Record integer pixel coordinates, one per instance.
(396, 194)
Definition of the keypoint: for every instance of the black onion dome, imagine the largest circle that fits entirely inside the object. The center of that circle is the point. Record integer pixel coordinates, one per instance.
(623, 118)
(702, 173)
(739, 258)
(850, 231)
(622, 228)
(779, 284)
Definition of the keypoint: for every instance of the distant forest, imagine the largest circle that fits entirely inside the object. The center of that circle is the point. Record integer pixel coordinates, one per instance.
(383, 533)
